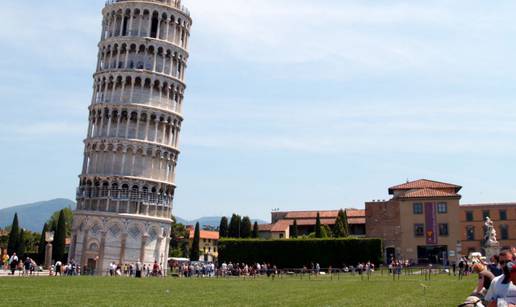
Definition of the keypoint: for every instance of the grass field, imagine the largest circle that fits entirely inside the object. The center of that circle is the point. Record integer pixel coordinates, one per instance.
(288, 291)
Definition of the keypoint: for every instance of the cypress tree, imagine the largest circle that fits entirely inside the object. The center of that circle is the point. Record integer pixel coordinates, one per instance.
(294, 230)
(255, 230)
(339, 229)
(318, 230)
(223, 228)
(194, 252)
(325, 231)
(246, 228)
(21, 247)
(58, 248)
(345, 223)
(14, 236)
(42, 244)
(234, 226)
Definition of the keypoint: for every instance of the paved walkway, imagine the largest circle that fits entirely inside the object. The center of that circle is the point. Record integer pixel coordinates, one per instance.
(19, 273)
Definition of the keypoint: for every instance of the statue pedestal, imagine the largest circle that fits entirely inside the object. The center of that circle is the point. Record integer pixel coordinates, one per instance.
(48, 255)
(492, 248)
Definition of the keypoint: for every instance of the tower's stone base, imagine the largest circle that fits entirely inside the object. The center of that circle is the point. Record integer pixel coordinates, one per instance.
(98, 240)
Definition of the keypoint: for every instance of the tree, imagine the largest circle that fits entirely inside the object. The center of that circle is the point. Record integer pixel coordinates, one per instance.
(68, 214)
(234, 226)
(255, 230)
(14, 236)
(293, 234)
(58, 248)
(21, 246)
(318, 228)
(325, 231)
(42, 244)
(223, 227)
(179, 237)
(194, 252)
(246, 228)
(345, 222)
(340, 230)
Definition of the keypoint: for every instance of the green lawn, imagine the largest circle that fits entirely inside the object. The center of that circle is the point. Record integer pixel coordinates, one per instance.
(288, 291)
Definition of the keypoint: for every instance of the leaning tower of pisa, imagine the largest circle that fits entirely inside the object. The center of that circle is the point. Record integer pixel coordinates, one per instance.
(126, 188)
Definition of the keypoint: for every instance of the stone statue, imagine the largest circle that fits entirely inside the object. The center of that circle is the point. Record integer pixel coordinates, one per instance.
(491, 245)
(490, 235)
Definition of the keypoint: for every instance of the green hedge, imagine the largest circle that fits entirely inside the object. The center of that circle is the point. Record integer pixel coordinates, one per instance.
(296, 253)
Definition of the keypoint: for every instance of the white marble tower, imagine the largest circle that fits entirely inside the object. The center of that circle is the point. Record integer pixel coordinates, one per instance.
(124, 199)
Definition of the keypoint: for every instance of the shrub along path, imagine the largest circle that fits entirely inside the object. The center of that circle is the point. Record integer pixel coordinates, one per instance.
(286, 291)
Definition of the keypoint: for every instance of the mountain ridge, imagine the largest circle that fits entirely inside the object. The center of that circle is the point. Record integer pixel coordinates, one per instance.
(32, 216)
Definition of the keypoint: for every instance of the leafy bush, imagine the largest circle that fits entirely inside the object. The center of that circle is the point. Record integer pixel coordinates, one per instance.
(296, 253)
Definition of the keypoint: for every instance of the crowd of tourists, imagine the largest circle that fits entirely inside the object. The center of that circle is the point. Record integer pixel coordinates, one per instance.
(13, 264)
(136, 270)
(496, 283)
(201, 269)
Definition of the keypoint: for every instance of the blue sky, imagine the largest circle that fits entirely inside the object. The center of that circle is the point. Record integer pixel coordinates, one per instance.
(291, 104)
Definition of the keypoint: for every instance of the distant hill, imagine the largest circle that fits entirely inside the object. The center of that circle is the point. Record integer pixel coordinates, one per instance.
(33, 216)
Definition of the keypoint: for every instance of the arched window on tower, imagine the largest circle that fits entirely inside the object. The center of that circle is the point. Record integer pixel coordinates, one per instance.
(125, 191)
(154, 25)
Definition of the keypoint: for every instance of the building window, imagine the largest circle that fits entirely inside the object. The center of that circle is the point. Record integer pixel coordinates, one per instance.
(503, 215)
(443, 230)
(470, 233)
(485, 213)
(442, 208)
(419, 230)
(281, 236)
(469, 216)
(504, 232)
(417, 208)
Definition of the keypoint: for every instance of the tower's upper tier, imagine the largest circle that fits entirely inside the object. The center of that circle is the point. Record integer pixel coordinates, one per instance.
(172, 3)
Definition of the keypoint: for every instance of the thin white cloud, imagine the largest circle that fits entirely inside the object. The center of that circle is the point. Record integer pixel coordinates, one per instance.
(340, 39)
(332, 127)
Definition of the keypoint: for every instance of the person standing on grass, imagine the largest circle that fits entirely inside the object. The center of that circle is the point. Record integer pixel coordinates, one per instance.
(58, 267)
(461, 268)
(484, 278)
(138, 269)
(494, 266)
(502, 291)
(26, 266)
(5, 261)
(155, 268)
(13, 262)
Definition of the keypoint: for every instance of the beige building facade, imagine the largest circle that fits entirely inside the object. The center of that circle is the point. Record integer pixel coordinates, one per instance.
(419, 223)
(208, 244)
(282, 222)
(472, 218)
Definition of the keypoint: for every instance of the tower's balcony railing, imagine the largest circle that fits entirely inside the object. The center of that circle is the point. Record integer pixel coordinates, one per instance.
(173, 3)
(124, 195)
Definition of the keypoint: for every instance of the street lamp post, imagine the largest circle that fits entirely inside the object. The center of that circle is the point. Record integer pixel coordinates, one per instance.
(49, 238)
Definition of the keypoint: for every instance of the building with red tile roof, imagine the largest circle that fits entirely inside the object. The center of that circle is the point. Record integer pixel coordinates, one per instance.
(283, 221)
(424, 221)
(208, 244)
